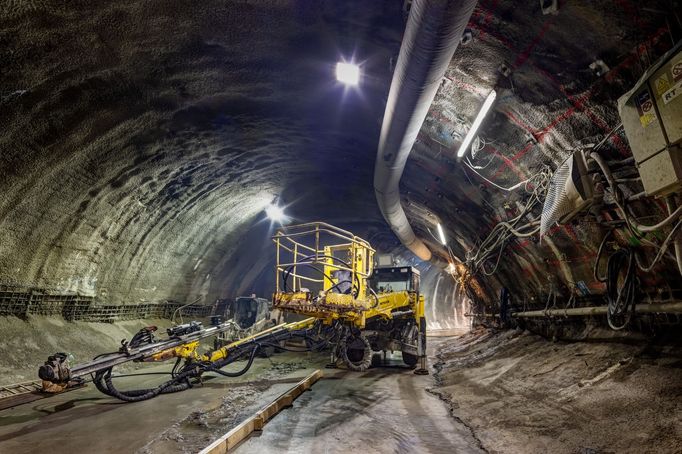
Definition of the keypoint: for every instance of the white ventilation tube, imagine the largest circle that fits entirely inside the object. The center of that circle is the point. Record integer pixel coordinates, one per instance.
(434, 29)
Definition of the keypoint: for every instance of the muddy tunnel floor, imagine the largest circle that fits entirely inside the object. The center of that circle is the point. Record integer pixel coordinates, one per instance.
(497, 392)
(519, 392)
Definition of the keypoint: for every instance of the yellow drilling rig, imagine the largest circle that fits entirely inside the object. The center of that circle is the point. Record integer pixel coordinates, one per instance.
(326, 276)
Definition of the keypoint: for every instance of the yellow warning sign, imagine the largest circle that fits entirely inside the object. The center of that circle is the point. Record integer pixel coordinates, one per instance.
(645, 108)
(662, 84)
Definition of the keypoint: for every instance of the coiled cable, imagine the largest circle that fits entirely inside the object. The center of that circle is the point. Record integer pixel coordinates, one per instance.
(621, 298)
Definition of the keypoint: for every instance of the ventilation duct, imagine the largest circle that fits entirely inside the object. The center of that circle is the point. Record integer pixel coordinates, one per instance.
(434, 29)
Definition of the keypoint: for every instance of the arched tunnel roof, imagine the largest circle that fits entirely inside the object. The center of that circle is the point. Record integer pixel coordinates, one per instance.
(142, 140)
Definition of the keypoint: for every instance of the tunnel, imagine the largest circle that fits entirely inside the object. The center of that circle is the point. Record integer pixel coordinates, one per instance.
(454, 223)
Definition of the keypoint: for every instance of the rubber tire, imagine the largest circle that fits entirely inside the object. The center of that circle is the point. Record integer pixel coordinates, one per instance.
(356, 359)
(410, 360)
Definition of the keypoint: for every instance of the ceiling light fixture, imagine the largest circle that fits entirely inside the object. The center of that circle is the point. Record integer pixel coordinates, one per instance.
(441, 234)
(347, 73)
(275, 212)
(476, 124)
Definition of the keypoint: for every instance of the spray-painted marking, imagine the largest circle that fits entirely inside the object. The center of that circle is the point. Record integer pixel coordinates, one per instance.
(521, 59)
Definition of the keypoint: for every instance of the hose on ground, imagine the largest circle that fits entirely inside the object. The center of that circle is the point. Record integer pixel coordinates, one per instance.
(181, 376)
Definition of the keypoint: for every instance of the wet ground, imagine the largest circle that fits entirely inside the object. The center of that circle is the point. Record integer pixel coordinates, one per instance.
(85, 421)
(386, 409)
(497, 392)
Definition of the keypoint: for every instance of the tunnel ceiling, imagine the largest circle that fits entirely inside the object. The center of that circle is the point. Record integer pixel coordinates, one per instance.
(142, 140)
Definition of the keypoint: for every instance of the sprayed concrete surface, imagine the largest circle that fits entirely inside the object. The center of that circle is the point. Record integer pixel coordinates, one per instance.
(520, 393)
(386, 409)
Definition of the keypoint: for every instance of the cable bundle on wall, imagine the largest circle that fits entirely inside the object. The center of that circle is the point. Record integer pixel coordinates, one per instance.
(505, 230)
(621, 298)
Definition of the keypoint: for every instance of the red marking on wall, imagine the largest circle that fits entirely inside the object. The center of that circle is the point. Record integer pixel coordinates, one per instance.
(489, 14)
(482, 32)
(635, 54)
(509, 163)
(467, 87)
(570, 231)
(518, 155)
(541, 134)
(517, 122)
(521, 59)
(578, 105)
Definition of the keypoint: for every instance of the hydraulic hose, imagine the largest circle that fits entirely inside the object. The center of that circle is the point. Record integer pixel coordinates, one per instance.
(216, 368)
(621, 298)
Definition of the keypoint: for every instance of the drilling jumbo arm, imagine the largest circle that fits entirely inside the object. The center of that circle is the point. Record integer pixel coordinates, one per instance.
(342, 313)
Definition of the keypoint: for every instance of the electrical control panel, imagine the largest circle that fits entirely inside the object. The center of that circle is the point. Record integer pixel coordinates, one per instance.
(652, 118)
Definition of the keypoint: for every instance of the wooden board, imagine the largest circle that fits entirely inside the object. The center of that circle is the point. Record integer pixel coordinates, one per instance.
(29, 396)
(256, 422)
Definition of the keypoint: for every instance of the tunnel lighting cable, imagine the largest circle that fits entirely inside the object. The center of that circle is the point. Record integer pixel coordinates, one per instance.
(498, 237)
(504, 230)
(661, 250)
(510, 189)
(487, 104)
(441, 234)
(471, 164)
(617, 197)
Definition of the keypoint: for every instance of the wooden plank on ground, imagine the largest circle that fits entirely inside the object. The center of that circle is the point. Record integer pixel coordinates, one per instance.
(256, 422)
(21, 398)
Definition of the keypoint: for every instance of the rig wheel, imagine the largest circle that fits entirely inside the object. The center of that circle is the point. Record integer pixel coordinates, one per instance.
(356, 352)
(409, 359)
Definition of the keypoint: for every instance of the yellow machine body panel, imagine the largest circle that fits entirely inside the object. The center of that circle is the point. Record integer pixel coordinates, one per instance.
(337, 287)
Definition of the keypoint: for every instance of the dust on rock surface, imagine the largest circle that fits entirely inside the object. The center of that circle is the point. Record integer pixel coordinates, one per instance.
(520, 393)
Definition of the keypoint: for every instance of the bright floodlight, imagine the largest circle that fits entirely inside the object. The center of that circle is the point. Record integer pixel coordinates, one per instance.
(275, 213)
(347, 73)
(441, 234)
(477, 123)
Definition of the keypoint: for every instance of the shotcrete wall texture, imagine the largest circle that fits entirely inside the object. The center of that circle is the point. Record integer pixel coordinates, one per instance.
(141, 140)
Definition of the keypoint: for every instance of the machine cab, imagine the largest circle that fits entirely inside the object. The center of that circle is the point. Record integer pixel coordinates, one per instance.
(395, 279)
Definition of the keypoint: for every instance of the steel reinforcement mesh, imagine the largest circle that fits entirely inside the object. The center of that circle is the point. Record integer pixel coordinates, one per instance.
(23, 301)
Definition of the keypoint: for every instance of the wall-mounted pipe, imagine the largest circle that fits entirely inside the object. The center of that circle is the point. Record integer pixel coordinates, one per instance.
(434, 29)
(669, 308)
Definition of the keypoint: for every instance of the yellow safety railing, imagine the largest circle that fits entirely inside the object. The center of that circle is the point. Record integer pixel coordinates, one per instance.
(322, 264)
